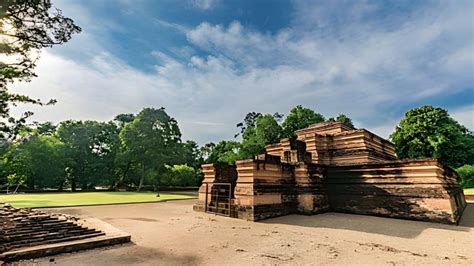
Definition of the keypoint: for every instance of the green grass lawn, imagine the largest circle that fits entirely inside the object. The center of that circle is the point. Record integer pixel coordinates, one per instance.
(469, 191)
(34, 200)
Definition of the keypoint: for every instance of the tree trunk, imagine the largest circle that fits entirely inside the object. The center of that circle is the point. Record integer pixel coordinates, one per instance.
(120, 180)
(16, 189)
(142, 178)
(73, 184)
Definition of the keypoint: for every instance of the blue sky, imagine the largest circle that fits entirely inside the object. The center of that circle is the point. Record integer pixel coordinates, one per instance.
(209, 62)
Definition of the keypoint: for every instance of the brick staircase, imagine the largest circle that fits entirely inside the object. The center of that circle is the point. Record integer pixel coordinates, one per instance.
(20, 228)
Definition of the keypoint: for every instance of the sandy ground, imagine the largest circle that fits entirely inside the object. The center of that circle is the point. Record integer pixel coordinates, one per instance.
(171, 233)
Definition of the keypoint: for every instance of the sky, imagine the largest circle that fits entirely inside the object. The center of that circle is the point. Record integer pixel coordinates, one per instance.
(209, 62)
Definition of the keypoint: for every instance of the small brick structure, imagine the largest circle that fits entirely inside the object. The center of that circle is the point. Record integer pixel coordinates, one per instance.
(332, 167)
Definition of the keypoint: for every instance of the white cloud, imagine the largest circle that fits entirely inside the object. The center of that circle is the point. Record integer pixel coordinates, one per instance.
(465, 116)
(357, 69)
(204, 4)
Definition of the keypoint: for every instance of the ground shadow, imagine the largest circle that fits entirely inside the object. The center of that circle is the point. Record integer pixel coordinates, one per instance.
(126, 254)
(374, 225)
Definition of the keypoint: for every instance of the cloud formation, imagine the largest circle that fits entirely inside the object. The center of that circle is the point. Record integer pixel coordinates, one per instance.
(334, 60)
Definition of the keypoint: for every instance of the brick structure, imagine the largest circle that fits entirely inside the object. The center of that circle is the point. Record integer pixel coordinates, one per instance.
(20, 228)
(332, 167)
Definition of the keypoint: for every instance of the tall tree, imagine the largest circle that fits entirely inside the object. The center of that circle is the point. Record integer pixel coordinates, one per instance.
(430, 132)
(265, 131)
(90, 152)
(190, 154)
(298, 118)
(151, 140)
(26, 26)
(223, 152)
(39, 159)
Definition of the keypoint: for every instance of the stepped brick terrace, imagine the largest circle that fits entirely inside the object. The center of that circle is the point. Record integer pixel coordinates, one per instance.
(332, 167)
(27, 233)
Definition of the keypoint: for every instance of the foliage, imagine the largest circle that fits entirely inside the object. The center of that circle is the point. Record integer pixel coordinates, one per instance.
(190, 154)
(466, 175)
(151, 140)
(15, 179)
(40, 160)
(265, 130)
(180, 175)
(90, 149)
(343, 119)
(430, 132)
(26, 27)
(223, 152)
(298, 118)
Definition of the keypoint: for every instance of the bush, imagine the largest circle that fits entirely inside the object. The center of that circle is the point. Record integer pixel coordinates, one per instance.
(180, 175)
(466, 175)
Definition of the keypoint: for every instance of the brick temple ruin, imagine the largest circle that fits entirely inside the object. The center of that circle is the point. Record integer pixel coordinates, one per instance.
(331, 167)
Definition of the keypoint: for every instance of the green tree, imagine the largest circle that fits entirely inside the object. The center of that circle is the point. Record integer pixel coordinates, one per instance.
(26, 26)
(343, 119)
(91, 148)
(122, 119)
(46, 128)
(190, 154)
(179, 175)
(299, 118)
(466, 175)
(39, 159)
(430, 132)
(15, 179)
(151, 140)
(223, 152)
(265, 131)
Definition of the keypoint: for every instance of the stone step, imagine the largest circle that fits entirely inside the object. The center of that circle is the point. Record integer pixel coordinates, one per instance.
(56, 236)
(17, 236)
(51, 241)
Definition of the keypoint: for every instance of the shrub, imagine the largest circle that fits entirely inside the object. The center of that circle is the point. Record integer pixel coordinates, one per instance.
(466, 175)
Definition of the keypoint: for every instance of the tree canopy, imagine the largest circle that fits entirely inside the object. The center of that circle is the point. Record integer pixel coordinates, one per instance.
(152, 139)
(343, 119)
(300, 117)
(26, 26)
(430, 132)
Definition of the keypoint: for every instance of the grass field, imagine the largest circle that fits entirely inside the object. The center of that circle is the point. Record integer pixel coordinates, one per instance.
(469, 191)
(35, 200)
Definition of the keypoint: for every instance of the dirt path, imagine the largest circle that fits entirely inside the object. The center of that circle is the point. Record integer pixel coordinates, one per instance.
(171, 233)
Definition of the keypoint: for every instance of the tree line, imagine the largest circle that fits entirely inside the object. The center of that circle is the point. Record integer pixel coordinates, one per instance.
(128, 152)
(424, 132)
(146, 149)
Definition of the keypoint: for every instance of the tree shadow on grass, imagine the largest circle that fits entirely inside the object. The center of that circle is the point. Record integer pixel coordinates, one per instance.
(375, 225)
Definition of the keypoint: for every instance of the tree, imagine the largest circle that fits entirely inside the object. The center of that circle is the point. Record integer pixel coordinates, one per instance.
(190, 154)
(179, 175)
(46, 128)
(343, 119)
(123, 119)
(39, 159)
(26, 26)
(299, 118)
(430, 132)
(90, 150)
(15, 179)
(265, 130)
(466, 175)
(151, 141)
(224, 152)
